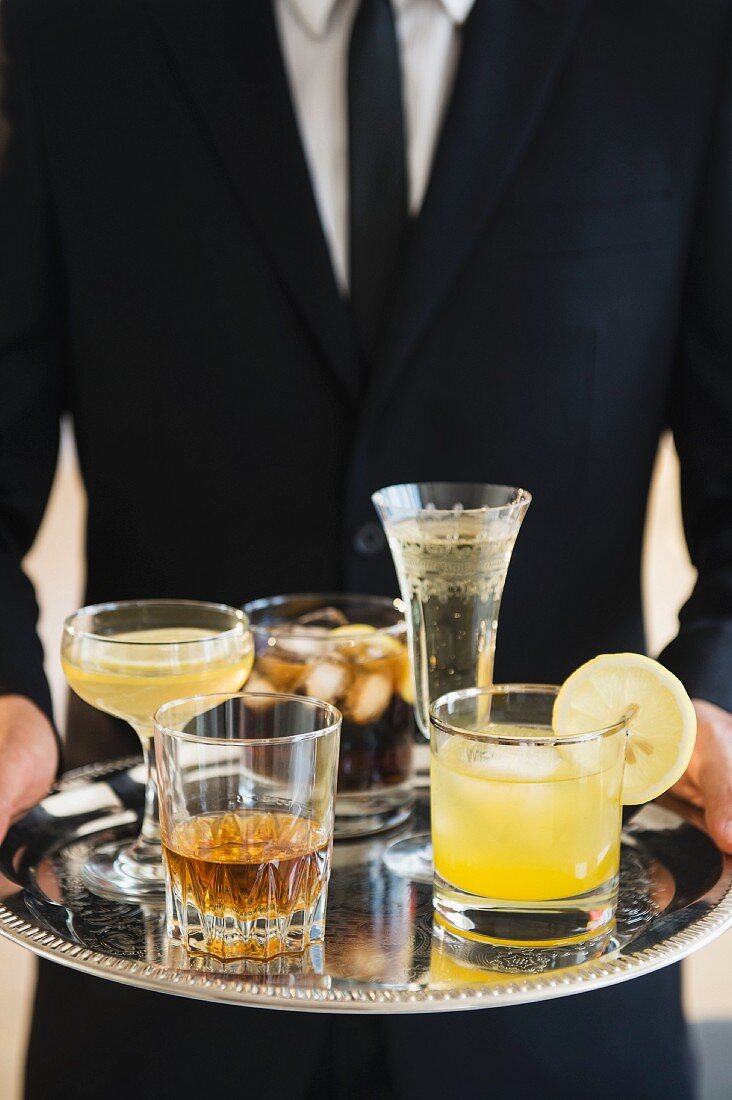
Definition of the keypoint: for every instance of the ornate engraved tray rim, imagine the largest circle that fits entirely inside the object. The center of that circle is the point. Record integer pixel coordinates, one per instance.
(342, 995)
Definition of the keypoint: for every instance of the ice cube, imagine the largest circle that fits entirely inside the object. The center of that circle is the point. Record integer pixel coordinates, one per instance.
(283, 673)
(530, 763)
(378, 648)
(295, 644)
(327, 679)
(368, 697)
(323, 617)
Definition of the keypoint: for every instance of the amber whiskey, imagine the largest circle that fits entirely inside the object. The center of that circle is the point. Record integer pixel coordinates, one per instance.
(247, 884)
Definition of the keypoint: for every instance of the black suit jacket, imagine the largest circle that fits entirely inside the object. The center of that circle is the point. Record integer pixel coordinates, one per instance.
(566, 294)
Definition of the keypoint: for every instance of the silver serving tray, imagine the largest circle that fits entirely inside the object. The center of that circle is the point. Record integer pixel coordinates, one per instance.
(379, 954)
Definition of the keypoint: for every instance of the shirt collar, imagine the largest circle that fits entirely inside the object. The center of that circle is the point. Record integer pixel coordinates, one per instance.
(315, 14)
(458, 10)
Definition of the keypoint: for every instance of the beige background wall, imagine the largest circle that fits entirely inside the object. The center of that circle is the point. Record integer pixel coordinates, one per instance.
(55, 566)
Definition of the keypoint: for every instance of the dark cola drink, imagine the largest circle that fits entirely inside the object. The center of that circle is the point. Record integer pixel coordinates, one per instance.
(350, 651)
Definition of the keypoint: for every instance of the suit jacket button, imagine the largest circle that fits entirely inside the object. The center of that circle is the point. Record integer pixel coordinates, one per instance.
(369, 539)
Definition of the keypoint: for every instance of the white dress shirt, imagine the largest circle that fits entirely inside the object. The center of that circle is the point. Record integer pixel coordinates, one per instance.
(315, 36)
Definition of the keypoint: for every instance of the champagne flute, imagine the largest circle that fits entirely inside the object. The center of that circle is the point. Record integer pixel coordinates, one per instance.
(452, 545)
(127, 659)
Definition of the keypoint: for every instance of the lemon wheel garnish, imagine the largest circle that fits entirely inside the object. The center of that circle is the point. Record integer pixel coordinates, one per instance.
(661, 720)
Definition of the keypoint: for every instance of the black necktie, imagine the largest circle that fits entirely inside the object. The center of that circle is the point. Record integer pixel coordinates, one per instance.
(378, 177)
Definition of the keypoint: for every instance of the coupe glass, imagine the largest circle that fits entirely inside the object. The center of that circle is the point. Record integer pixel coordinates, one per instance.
(129, 658)
(452, 545)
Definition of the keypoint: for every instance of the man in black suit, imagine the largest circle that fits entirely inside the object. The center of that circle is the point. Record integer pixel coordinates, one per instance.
(272, 256)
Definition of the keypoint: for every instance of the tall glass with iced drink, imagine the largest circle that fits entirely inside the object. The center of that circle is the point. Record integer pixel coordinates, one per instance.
(351, 652)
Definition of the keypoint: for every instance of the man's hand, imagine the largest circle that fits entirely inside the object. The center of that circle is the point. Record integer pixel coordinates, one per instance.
(707, 782)
(28, 757)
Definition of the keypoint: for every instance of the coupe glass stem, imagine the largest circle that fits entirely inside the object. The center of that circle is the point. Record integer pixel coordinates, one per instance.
(145, 854)
(150, 831)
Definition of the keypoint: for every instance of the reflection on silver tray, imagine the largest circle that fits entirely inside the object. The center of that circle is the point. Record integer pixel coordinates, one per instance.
(379, 954)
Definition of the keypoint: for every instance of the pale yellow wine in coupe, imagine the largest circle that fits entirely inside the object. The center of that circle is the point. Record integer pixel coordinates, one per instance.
(452, 568)
(132, 673)
(526, 822)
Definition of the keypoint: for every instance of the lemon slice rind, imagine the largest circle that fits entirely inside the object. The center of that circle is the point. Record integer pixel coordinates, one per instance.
(661, 721)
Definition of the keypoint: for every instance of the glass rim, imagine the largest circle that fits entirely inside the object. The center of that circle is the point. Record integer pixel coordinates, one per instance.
(240, 626)
(520, 497)
(266, 629)
(333, 724)
(547, 739)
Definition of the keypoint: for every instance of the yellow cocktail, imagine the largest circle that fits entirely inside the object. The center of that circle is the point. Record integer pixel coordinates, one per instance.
(129, 658)
(525, 822)
(525, 825)
(132, 673)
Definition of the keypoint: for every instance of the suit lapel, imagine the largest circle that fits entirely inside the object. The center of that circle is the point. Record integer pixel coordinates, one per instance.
(228, 58)
(511, 55)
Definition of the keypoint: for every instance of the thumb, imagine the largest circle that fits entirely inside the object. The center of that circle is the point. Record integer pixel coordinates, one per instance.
(716, 784)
